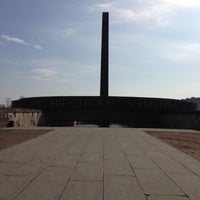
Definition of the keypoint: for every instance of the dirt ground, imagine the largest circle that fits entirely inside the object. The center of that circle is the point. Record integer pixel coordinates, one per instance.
(188, 142)
(9, 137)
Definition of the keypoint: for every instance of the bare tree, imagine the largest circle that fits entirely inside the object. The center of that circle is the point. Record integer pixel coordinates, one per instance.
(8, 102)
(21, 97)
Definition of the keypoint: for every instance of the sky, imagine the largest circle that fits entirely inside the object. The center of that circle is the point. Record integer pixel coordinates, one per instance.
(52, 48)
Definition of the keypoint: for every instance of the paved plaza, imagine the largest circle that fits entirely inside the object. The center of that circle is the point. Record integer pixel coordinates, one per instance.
(90, 163)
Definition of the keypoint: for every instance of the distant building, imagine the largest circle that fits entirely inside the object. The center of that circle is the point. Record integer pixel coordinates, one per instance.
(194, 100)
(4, 117)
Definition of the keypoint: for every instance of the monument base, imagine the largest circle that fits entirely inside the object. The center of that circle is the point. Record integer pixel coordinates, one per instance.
(142, 112)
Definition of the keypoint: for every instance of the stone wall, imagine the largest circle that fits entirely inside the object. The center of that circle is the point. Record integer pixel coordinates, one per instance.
(3, 122)
(181, 121)
(18, 117)
(24, 119)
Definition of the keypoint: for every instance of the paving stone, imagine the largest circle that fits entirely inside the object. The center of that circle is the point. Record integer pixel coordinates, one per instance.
(6, 167)
(114, 155)
(146, 146)
(133, 150)
(142, 162)
(182, 157)
(12, 185)
(158, 197)
(91, 157)
(113, 167)
(113, 147)
(94, 149)
(4, 156)
(88, 171)
(149, 138)
(83, 190)
(166, 148)
(20, 156)
(122, 188)
(154, 181)
(76, 148)
(190, 184)
(167, 164)
(43, 190)
(94, 146)
(55, 173)
(41, 168)
(111, 143)
(129, 147)
(113, 151)
(65, 160)
(194, 167)
(41, 158)
(28, 169)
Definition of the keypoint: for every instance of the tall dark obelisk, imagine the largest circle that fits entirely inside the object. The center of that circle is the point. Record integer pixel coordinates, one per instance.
(104, 55)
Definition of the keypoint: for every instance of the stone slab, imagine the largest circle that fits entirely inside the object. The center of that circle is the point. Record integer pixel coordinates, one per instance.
(83, 190)
(166, 148)
(129, 146)
(193, 166)
(113, 167)
(114, 155)
(154, 181)
(43, 190)
(94, 163)
(88, 171)
(65, 160)
(158, 197)
(91, 157)
(141, 162)
(133, 150)
(94, 147)
(122, 188)
(76, 148)
(10, 186)
(145, 145)
(182, 157)
(55, 173)
(25, 169)
(190, 184)
(167, 164)
(7, 167)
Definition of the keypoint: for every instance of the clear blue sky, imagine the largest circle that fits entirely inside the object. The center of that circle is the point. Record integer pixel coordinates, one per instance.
(50, 47)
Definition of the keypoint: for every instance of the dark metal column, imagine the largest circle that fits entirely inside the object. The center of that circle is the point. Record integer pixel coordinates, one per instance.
(104, 55)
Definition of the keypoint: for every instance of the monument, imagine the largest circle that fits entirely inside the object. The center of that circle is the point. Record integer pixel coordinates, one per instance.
(105, 109)
(104, 56)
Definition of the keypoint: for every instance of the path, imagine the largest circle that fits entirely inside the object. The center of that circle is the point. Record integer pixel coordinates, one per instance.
(87, 163)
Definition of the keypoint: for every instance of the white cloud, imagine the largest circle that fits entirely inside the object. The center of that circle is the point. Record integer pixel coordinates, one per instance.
(181, 3)
(43, 73)
(191, 47)
(159, 12)
(183, 51)
(65, 33)
(14, 39)
(37, 46)
(68, 32)
(48, 63)
(20, 41)
(105, 6)
(59, 70)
